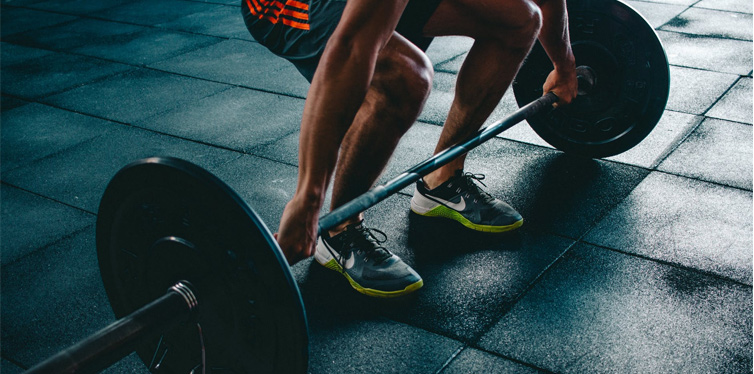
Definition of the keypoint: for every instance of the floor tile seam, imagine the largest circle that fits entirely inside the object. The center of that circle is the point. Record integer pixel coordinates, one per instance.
(451, 358)
(194, 48)
(271, 142)
(659, 28)
(89, 16)
(79, 85)
(50, 244)
(680, 141)
(131, 125)
(694, 36)
(80, 17)
(177, 105)
(426, 330)
(728, 120)
(694, 5)
(232, 85)
(228, 162)
(51, 199)
(664, 3)
(697, 68)
(708, 71)
(475, 340)
(23, 7)
(678, 266)
(430, 123)
(700, 180)
(722, 95)
(235, 85)
(446, 71)
(464, 345)
(677, 141)
(59, 151)
(135, 67)
(277, 161)
(135, 126)
(510, 358)
(186, 139)
(610, 209)
(581, 239)
(69, 53)
(445, 61)
(724, 10)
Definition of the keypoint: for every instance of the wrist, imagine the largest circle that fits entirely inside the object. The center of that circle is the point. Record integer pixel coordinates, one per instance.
(567, 64)
(310, 199)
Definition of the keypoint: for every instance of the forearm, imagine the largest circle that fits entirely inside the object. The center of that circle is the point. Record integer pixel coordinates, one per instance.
(554, 34)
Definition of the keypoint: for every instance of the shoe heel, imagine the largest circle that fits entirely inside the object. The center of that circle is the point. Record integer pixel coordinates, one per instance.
(421, 205)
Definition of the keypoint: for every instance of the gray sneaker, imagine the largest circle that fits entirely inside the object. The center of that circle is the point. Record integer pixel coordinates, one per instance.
(370, 268)
(460, 199)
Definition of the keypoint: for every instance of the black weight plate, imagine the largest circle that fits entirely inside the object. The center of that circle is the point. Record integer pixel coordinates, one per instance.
(632, 81)
(162, 220)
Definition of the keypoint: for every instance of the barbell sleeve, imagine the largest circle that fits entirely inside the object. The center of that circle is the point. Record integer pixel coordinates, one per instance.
(403, 180)
(123, 336)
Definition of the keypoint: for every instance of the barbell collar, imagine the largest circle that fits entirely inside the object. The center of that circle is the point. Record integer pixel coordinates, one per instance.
(586, 78)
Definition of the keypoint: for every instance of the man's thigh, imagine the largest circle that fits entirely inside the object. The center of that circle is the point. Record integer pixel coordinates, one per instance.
(479, 19)
(301, 37)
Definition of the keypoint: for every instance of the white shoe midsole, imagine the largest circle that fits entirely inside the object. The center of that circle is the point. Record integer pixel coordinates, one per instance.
(421, 204)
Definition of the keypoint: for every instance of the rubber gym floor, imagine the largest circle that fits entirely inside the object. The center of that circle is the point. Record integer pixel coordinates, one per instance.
(636, 263)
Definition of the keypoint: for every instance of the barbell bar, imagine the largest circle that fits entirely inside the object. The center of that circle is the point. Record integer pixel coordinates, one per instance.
(199, 283)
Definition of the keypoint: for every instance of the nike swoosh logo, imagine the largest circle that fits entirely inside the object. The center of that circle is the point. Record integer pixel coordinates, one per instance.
(459, 206)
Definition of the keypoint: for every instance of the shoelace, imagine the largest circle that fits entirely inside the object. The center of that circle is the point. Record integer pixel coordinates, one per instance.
(363, 239)
(475, 190)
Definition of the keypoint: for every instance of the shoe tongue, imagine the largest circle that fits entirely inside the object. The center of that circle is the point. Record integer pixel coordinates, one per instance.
(356, 226)
(377, 253)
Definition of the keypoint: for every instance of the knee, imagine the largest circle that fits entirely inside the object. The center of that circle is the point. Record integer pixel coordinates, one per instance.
(521, 23)
(534, 19)
(404, 80)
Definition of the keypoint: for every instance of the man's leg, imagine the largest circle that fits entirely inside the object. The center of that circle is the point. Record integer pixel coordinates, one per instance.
(504, 32)
(399, 88)
(401, 85)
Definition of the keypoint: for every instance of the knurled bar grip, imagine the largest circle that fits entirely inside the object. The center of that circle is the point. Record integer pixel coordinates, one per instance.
(379, 193)
(122, 337)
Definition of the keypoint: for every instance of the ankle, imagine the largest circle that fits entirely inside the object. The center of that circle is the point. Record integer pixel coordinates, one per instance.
(342, 227)
(438, 177)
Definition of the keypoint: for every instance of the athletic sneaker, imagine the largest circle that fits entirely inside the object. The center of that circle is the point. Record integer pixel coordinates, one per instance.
(369, 267)
(460, 199)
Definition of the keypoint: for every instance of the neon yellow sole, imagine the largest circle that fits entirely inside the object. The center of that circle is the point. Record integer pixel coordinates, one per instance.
(333, 265)
(445, 212)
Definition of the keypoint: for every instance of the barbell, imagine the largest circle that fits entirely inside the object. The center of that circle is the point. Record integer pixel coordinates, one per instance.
(200, 285)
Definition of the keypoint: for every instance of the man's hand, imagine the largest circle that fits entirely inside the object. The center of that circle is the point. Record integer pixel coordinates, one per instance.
(562, 83)
(297, 234)
(557, 43)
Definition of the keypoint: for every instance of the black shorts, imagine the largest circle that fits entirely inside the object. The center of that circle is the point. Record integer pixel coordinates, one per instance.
(298, 30)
